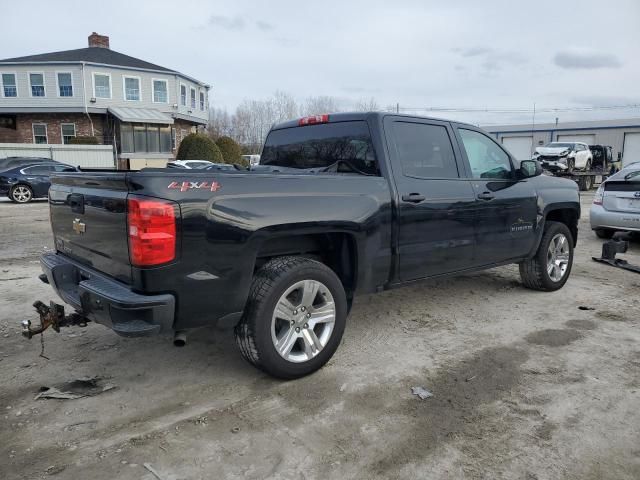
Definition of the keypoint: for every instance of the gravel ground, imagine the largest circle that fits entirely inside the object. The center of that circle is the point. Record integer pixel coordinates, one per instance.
(525, 385)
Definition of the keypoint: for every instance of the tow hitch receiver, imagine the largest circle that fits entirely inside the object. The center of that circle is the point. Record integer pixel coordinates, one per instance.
(52, 316)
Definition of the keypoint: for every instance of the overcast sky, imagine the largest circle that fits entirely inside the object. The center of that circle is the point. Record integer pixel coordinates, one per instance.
(480, 54)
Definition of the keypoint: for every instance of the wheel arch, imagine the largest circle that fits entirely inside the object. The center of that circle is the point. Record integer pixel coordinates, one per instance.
(336, 249)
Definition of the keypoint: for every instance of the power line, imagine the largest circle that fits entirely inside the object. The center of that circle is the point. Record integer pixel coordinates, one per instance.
(516, 110)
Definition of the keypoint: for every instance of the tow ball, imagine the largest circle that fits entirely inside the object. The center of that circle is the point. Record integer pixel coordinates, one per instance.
(52, 316)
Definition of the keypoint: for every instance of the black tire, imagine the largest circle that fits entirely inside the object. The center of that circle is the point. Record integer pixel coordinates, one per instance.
(604, 233)
(253, 332)
(571, 163)
(16, 198)
(533, 272)
(585, 183)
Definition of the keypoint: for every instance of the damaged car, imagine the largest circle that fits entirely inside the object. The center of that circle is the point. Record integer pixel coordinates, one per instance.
(564, 156)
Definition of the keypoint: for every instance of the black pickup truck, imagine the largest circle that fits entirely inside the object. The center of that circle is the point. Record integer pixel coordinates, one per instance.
(341, 204)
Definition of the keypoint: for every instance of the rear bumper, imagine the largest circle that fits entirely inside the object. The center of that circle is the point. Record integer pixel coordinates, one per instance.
(601, 218)
(107, 301)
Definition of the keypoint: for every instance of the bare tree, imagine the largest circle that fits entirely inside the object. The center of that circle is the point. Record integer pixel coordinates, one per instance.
(367, 105)
(319, 105)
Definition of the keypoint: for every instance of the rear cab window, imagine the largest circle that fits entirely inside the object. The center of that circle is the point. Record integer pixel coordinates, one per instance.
(424, 150)
(340, 147)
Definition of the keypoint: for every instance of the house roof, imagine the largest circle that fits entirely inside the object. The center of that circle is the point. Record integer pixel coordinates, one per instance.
(91, 55)
(141, 115)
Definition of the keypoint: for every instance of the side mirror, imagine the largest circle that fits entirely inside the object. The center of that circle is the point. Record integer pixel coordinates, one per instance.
(530, 168)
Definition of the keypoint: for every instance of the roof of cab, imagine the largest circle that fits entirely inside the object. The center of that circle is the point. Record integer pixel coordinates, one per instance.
(355, 116)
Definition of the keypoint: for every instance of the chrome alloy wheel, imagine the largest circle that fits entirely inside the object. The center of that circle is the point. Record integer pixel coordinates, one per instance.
(21, 194)
(558, 257)
(303, 321)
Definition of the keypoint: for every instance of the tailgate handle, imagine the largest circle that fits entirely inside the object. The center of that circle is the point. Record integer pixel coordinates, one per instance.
(76, 201)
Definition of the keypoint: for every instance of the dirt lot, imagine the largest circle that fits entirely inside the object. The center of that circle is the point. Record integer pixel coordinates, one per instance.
(526, 385)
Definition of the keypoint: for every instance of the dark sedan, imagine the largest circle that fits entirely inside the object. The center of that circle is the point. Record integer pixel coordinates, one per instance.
(24, 183)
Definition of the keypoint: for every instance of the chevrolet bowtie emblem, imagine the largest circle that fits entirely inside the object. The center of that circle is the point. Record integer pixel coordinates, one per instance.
(79, 227)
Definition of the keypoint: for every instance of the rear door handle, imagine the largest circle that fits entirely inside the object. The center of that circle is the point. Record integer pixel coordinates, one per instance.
(486, 196)
(413, 198)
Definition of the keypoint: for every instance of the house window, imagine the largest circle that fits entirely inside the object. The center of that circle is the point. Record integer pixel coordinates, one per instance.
(193, 98)
(37, 84)
(202, 101)
(65, 85)
(141, 138)
(126, 138)
(9, 88)
(101, 85)
(39, 133)
(165, 139)
(132, 88)
(183, 95)
(68, 132)
(160, 91)
(153, 138)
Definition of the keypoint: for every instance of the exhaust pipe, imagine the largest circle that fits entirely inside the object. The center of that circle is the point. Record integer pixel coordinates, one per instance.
(180, 338)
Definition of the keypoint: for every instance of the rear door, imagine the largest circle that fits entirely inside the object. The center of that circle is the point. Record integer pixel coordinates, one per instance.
(506, 207)
(38, 177)
(435, 204)
(89, 221)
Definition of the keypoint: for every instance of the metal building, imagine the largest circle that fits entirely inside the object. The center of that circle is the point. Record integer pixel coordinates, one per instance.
(622, 135)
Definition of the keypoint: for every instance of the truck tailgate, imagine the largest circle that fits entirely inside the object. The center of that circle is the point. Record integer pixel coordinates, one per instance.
(89, 220)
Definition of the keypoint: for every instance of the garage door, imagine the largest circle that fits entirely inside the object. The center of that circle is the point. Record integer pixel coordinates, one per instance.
(588, 139)
(520, 147)
(631, 149)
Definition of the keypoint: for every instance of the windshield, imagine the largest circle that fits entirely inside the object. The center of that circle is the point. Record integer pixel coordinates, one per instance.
(559, 145)
(345, 145)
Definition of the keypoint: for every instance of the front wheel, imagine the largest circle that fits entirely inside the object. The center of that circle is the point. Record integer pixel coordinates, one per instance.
(294, 318)
(550, 267)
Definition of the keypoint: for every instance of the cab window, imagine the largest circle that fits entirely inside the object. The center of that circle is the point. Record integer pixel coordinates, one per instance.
(486, 158)
(424, 150)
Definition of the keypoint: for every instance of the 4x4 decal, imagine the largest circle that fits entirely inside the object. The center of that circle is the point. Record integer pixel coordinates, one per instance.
(184, 186)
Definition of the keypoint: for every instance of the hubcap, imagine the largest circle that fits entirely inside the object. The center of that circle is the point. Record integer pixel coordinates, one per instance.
(21, 194)
(558, 257)
(303, 321)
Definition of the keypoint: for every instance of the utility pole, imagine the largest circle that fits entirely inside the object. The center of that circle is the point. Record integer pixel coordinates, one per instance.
(398, 107)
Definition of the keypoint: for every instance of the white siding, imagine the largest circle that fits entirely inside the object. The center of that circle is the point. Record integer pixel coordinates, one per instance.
(86, 156)
(51, 98)
(146, 91)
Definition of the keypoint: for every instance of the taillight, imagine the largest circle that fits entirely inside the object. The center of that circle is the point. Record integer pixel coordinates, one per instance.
(152, 231)
(597, 199)
(314, 119)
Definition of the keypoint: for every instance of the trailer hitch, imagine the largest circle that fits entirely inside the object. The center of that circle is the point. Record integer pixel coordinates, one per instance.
(52, 316)
(609, 251)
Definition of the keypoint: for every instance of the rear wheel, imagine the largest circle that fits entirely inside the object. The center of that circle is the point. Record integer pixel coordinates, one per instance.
(21, 194)
(585, 182)
(294, 318)
(550, 267)
(604, 233)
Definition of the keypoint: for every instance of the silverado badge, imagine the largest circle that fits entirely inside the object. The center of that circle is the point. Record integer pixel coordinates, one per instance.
(79, 227)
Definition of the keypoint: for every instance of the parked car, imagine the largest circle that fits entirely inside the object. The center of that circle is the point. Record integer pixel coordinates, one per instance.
(24, 183)
(342, 205)
(616, 204)
(10, 162)
(564, 156)
(190, 164)
(252, 160)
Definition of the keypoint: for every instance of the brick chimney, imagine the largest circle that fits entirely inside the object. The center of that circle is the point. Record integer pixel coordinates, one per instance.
(96, 40)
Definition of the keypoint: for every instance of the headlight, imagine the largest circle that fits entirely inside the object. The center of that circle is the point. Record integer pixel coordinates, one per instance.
(562, 160)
